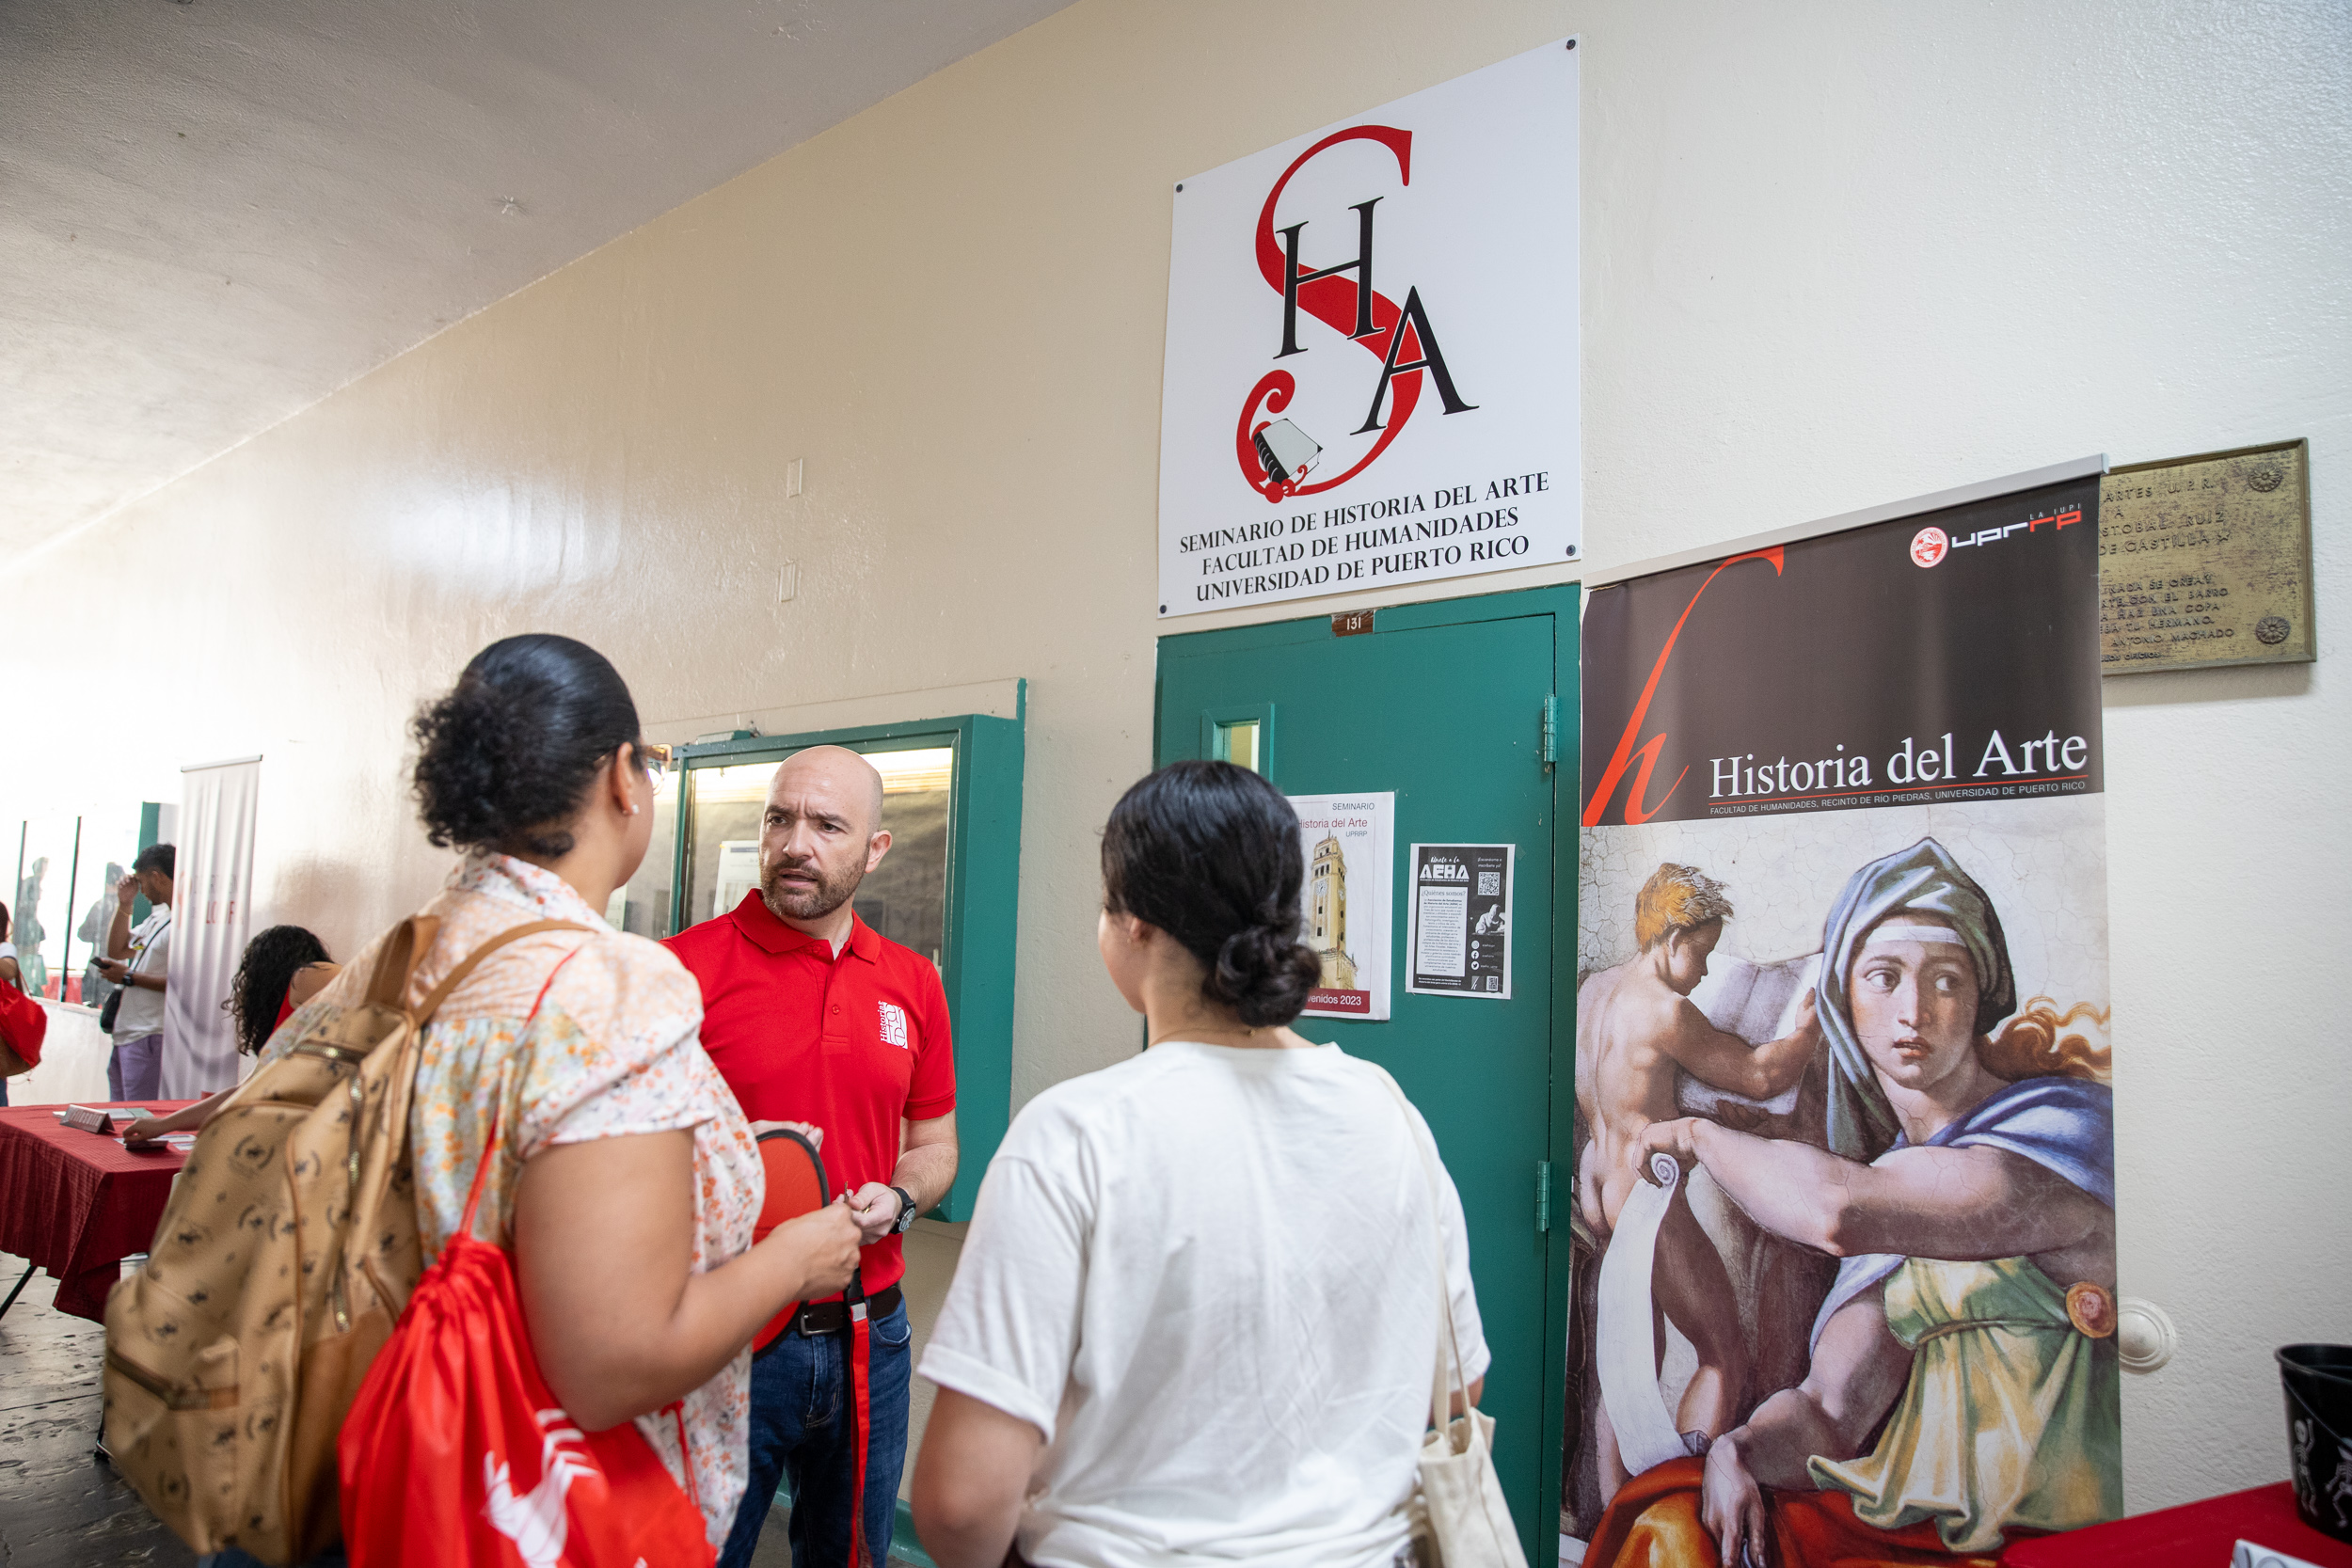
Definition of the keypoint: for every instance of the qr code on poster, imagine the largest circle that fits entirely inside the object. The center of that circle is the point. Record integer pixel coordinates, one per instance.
(1490, 884)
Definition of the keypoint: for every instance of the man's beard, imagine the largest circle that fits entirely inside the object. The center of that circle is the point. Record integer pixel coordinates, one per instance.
(805, 903)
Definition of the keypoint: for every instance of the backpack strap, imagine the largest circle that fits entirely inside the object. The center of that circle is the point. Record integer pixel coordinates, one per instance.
(397, 960)
(432, 1003)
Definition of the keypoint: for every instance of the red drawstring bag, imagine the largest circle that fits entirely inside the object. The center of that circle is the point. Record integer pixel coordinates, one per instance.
(23, 1024)
(457, 1453)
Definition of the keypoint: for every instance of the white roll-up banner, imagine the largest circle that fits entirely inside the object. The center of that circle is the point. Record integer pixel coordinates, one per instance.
(1842, 947)
(213, 884)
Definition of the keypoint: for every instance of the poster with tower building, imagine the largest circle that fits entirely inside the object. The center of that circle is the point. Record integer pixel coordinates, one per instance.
(1348, 844)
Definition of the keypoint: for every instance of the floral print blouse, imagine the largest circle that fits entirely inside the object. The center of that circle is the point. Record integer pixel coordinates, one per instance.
(615, 1049)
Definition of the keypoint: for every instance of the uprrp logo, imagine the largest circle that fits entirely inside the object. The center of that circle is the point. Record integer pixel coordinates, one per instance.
(1930, 545)
(1275, 454)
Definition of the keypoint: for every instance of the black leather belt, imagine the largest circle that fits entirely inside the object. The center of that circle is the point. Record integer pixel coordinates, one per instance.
(820, 1318)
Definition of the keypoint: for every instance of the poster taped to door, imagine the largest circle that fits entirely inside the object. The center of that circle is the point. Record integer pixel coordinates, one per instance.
(1842, 947)
(1349, 845)
(1460, 944)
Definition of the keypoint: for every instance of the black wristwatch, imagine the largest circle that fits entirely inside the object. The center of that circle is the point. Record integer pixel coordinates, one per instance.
(906, 1211)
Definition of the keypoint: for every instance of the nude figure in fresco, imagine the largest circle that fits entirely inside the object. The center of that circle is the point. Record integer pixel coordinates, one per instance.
(1962, 1386)
(1636, 1025)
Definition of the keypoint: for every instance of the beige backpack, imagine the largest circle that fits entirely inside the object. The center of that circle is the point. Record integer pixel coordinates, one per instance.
(286, 1250)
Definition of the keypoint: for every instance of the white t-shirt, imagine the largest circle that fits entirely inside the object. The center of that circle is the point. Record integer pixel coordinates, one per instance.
(142, 1010)
(1208, 1276)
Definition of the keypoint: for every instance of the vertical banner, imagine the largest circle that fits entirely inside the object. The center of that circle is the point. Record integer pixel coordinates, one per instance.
(1842, 1051)
(213, 889)
(1371, 373)
(1349, 845)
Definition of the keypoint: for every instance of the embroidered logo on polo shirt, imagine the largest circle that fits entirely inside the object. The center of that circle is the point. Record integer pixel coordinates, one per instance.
(894, 1025)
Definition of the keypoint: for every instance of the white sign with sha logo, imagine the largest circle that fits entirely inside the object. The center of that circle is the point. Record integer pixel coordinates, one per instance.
(1350, 852)
(1370, 372)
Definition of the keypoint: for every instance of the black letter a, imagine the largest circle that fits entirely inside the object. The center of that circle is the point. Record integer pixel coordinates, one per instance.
(1432, 359)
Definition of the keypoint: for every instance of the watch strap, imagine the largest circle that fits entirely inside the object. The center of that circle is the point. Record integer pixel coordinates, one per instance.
(906, 1211)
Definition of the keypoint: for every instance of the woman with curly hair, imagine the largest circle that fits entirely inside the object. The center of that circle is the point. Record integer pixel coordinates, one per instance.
(568, 1073)
(282, 968)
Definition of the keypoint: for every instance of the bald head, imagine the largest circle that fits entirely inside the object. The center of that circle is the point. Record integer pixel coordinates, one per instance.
(820, 834)
(837, 773)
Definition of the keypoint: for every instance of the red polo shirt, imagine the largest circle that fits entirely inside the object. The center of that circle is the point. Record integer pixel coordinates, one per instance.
(850, 1043)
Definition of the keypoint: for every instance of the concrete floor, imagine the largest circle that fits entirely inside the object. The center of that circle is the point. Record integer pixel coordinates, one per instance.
(60, 1507)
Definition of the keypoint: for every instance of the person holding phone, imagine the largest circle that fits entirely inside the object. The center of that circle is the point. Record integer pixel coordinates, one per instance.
(138, 959)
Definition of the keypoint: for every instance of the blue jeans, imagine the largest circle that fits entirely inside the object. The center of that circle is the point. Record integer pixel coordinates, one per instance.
(803, 1428)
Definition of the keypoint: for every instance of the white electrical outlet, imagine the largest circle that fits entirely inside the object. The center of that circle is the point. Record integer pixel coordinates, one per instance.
(788, 580)
(792, 482)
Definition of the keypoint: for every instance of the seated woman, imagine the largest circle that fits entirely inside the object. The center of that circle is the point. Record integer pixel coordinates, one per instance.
(1969, 1189)
(282, 968)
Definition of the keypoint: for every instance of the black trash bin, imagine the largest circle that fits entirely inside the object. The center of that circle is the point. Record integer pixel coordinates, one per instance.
(2318, 1380)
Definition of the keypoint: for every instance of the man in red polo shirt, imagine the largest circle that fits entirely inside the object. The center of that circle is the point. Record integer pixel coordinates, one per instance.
(814, 1018)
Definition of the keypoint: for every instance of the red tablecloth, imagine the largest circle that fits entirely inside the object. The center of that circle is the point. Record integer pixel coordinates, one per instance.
(79, 1203)
(2195, 1535)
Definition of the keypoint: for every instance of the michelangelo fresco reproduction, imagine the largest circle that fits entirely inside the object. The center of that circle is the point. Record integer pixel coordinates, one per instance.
(1875, 1045)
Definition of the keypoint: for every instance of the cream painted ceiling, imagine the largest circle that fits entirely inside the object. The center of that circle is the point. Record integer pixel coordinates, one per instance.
(213, 214)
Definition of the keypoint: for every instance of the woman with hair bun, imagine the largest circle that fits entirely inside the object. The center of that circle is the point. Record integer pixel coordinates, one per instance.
(626, 1181)
(1197, 1304)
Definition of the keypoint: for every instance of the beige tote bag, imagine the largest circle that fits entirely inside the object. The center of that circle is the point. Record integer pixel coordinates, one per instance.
(1459, 1517)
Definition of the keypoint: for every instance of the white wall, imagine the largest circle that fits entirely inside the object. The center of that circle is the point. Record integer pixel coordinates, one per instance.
(1836, 254)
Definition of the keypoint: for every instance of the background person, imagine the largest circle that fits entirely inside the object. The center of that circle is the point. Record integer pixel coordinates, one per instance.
(28, 933)
(10, 974)
(92, 932)
(1194, 1319)
(282, 968)
(816, 1018)
(626, 1180)
(138, 959)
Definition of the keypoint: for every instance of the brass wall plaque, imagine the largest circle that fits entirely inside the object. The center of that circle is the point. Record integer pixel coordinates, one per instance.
(2206, 561)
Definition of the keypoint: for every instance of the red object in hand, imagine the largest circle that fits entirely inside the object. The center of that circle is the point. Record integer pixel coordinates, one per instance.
(796, 1186)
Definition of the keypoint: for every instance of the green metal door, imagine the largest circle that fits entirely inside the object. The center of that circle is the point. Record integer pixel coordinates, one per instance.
(1447, 705)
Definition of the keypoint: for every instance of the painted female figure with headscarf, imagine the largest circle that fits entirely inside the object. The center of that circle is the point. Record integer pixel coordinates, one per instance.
(1964, 1383)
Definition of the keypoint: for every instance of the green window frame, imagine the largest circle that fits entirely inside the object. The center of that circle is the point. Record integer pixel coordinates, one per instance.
(1248, 726)
(979, 936)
